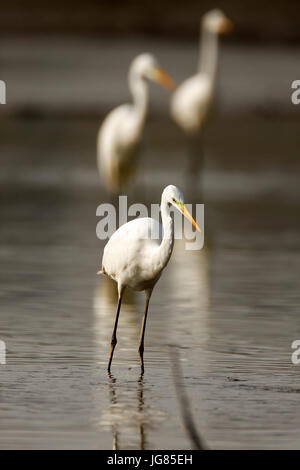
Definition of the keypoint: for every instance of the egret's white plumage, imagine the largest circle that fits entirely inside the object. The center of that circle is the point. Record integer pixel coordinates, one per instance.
(192, 102)
(136, 266)
(138, 251)
(120, 133)
(193, 99)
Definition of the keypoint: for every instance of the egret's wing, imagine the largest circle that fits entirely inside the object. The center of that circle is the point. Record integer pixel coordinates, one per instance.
(130, 246)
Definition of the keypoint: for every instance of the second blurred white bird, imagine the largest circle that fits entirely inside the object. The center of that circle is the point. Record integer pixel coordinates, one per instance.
(120, 133)
(192, 100)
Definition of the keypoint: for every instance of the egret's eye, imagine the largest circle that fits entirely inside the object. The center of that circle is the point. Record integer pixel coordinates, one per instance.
(176, 201)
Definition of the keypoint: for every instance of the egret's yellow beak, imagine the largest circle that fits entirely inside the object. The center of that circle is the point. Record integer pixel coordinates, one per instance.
(164, 79)
(189, 217)
(225, 27)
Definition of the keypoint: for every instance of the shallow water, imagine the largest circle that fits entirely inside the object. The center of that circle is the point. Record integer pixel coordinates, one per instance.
(232, 308)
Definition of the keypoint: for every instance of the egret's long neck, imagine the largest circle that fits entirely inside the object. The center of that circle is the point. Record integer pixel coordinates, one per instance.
(166, 247)
(208, 58)
(139, 90)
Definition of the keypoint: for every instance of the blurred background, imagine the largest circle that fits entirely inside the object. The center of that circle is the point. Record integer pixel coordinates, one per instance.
(65, 66)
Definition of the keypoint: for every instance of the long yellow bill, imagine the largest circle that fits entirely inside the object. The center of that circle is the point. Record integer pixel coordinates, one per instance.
(189, 217)
(226, 26)
(162, 77)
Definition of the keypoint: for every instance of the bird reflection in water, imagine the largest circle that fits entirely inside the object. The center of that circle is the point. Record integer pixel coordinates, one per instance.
(113, 401)
(141, 408)
(190, 270)
(117, 417)
(125, 411)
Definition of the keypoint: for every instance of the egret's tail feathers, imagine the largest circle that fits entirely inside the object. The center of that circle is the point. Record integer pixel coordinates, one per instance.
(102, 271)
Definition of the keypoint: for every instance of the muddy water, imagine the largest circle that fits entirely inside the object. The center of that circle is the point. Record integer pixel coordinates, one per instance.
(232, 308)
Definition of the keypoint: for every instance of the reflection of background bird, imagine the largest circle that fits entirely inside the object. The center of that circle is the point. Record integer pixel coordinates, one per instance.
(190, 270)
(135, 256)
(192, 101)
(120, 134)
(105, 298)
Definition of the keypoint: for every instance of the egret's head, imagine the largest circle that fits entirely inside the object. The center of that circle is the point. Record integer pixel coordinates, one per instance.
(173, 195)
(216, 22)
(146, 66)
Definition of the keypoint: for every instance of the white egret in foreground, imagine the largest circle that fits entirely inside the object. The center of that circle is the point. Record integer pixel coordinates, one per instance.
(120, 133)
(192, 100)
(135, 257)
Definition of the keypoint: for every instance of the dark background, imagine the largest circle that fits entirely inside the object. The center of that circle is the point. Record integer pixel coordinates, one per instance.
(268, 20)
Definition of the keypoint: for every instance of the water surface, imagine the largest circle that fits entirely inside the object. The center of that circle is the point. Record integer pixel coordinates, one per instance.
(232, 308)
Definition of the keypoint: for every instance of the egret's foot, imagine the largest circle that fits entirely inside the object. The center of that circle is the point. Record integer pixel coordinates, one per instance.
(112, 348)
(141, 354)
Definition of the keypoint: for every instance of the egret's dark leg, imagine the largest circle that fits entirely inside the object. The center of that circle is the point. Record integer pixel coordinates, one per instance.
(114, 334)
(141, 343)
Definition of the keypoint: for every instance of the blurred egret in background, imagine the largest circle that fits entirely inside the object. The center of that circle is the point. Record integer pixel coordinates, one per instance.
(192, 101)
(120, 133)
(137, 253)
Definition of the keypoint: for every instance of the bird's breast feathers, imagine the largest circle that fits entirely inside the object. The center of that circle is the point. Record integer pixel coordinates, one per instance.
(128, 254)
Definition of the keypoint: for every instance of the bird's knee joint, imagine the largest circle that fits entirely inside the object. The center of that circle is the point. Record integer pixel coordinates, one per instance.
(113, 341)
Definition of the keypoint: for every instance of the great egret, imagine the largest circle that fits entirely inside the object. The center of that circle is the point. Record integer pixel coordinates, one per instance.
(135, 256)
(192, 100)
(120, 133)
